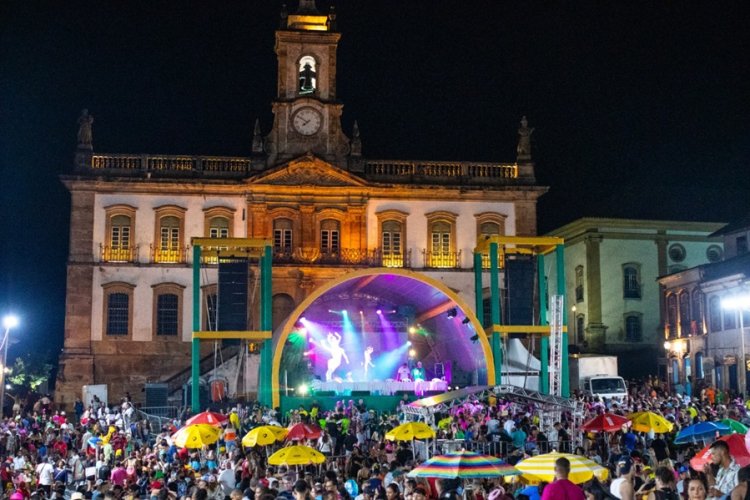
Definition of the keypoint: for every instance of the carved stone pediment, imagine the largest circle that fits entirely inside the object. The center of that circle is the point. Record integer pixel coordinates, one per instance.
(308, 170)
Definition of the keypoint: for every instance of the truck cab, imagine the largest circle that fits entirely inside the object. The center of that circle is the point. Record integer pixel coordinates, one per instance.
(607, 387)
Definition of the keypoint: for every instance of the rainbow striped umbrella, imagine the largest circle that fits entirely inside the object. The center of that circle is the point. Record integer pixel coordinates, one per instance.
(464, 464)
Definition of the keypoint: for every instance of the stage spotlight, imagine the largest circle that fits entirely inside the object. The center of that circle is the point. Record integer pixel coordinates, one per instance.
(344, 312)
(302, 390)
(412, 329)
(379, 311)
(361, 312)
(474, 338)
(408, 342)
(302, 331)
(452, 313)
(466, 321)
(303, 319)
(412, 353)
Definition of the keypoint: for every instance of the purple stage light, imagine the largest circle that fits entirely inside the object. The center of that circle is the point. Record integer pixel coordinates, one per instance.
(379, 311)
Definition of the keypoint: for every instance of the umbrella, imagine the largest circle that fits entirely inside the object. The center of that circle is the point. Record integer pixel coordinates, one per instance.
(735, 425)
(464, 464)
(296, 455)
(298, 432)
(542, 468)
(196, 436)
(646, 421)
(264, 435)
(701, 431)
(737, 449)
(207, 417)
(606, 422)
(410, 431)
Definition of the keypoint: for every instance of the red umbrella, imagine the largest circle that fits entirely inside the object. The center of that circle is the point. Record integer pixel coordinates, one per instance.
(298, 432)
(737, 449)
(207, 417)
(606, 422)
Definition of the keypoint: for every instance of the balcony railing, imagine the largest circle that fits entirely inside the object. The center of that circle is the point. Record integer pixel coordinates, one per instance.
(169, 255)
(118, 254)
(442, 260)
(344, 256)
(438, 172)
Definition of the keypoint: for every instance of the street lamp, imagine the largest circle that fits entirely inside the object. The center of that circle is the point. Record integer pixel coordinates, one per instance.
(9, 321)
(739, 303)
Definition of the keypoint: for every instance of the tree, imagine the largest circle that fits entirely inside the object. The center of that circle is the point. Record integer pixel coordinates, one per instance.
(28, 373)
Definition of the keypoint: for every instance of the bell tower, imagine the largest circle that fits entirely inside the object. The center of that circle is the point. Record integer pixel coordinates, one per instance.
(307, 116)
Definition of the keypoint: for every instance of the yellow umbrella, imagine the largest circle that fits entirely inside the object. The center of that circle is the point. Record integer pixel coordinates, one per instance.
(409, 431)
(646, 421)
(264, 435)
(196, 436)
(542, 468)
(296, 455)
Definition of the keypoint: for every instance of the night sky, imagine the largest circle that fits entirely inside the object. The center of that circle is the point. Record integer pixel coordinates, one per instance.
(640, 108)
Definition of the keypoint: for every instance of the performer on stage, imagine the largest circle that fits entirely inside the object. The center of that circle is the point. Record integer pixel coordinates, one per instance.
(333, 345)
(368, 361)
(403, 373)
(418, 372)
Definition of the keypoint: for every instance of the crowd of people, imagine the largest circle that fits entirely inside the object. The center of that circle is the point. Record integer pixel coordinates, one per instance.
(111, 452)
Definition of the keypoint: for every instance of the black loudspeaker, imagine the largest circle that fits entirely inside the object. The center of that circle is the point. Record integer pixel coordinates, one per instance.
(519, 276)
(233, 287)
(156, 395)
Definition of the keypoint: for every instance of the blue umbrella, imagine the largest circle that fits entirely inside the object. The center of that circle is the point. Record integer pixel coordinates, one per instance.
(93, 441)
(701, 431)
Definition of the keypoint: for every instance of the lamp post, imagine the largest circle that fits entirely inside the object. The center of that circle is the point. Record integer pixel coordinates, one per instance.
(9, 321)
(739, 303)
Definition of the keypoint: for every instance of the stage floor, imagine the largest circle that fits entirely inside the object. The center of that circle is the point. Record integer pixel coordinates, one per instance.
(377, 403)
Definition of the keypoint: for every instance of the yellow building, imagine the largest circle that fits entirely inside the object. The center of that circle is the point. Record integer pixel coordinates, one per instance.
(307, 187)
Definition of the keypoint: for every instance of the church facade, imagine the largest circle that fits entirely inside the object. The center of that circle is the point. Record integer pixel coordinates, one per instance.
(306, 187)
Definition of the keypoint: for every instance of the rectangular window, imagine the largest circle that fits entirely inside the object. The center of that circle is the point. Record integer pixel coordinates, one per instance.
(170, 238)
(282, 239)
(633, 329)
(118, 313)
(741, 245)
(329, 241)
(441, 243)
(579, 284)
(167, 310)
(218, 232)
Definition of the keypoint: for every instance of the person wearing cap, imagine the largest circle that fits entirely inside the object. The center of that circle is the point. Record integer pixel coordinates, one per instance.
(562, 488)
(682, 482)
(622, 487)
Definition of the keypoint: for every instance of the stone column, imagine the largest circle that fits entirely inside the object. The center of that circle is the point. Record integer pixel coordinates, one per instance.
(595, 329)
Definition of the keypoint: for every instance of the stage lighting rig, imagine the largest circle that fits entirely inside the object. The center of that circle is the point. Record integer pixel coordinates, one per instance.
(452, 313)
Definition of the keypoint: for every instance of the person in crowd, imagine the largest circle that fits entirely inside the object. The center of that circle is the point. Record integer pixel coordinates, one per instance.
(724, 480)
(562, 488)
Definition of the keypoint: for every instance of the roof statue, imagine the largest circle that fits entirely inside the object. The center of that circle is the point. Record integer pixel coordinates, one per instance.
(356, 147)
(523, 150)
(257, 138)
(85, 137)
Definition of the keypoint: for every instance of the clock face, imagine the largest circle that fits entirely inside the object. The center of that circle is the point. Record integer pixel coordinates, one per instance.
(307, 121)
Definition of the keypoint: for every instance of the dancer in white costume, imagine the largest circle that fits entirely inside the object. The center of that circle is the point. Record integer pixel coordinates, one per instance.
(368, 361)
(332, 344)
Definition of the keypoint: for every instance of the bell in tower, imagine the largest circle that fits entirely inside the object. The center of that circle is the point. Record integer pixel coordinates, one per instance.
(307, 77)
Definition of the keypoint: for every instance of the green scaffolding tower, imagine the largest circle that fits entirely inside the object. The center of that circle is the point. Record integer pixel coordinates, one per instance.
(212, 250)
(490, 255)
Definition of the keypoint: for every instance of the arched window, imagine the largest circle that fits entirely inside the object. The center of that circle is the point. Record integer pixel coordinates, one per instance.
(714, 313)
(391, 241)
(282, 306)
(672, 315)
(487, 229)
(119, 246)
(308, 76)
(329, 236)
(730, 319)
(579, 284)
(684, 314)
(167, 309)
(633, 329)
(169, 234)
(118, 309)
(631, 285)
(441, 243)
(699, 365)
(282, 235)
(696, 326)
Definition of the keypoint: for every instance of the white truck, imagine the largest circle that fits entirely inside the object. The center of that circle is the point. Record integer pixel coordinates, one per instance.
(597, 376)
